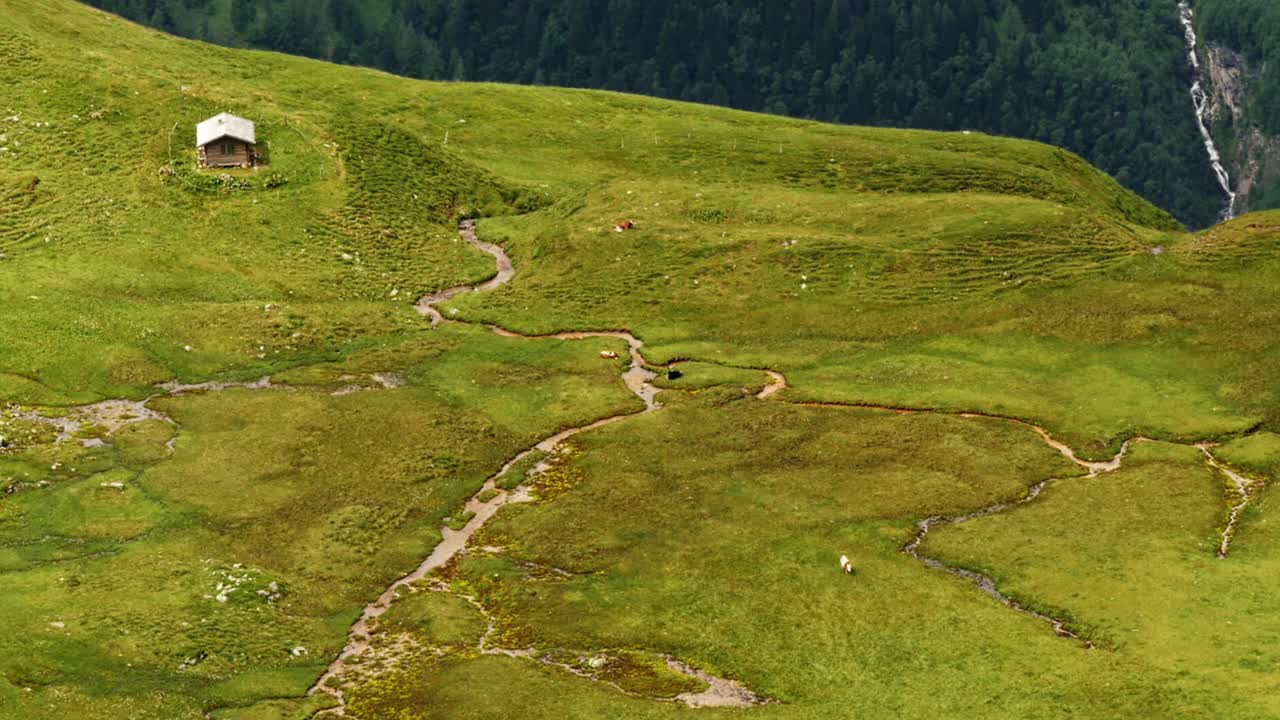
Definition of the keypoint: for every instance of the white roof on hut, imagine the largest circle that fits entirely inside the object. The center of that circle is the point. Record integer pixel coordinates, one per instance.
(226, 125)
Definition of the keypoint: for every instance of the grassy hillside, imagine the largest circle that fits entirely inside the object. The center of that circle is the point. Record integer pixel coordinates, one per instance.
(205, 552)
(1107, 80)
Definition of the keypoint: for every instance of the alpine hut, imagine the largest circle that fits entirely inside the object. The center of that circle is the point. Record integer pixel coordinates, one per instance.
(226, 140)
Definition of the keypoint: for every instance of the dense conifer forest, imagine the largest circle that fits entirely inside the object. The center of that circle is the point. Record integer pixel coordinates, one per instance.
(1105, 79)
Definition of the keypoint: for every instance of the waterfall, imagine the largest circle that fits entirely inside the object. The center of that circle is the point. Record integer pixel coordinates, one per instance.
(1200, 99)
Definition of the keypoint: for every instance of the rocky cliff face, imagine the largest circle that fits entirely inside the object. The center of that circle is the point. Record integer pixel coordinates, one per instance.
(1250, 155)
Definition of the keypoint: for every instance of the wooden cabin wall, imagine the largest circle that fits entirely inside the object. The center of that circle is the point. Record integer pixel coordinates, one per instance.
(241, 155)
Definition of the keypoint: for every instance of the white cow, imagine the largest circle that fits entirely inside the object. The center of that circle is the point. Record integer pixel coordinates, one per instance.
(845, 565)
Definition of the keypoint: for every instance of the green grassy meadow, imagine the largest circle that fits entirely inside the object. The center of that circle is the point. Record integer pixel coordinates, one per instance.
(741, 574)
(209, 562)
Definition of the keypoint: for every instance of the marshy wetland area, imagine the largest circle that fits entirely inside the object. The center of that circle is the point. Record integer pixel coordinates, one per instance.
(402, 428)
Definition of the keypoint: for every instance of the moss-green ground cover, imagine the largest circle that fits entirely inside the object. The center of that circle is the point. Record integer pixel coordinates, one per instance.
(302, 500)
(213, 560)
(741, 573)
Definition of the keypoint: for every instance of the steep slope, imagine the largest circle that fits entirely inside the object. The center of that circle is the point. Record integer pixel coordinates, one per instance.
(180, 536)
(1103, 79)
(1243, 94)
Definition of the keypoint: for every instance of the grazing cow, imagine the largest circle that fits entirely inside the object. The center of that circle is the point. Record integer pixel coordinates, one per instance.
(845, 565)
(674, 374)
(624, 226)
(608, 355)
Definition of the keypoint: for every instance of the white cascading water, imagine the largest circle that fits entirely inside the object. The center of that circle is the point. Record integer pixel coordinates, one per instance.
(1200, 99)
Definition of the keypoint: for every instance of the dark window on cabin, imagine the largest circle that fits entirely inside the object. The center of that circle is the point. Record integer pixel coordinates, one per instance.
(228, 148)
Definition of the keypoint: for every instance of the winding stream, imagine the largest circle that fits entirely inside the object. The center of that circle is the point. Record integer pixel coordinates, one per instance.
(720, 692)
(176, 388)
(108, 415)
(426, 305)
(985, 583)
(1246, 490)
(111, 415)
(777, 383)
(1244, 487)
(453, 542)
(638, 380)
(1200, 99)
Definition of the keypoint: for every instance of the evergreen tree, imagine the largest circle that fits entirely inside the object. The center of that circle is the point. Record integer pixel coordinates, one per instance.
(243, 13)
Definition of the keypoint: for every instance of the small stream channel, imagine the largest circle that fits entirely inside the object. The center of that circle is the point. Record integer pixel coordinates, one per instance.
(638, 378)
(721, 692)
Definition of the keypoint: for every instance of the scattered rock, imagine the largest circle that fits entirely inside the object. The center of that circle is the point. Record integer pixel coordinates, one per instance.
(388, 381)
(112, 485)
(57, 625)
